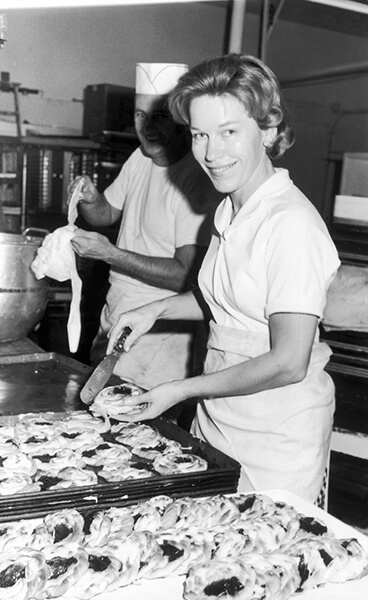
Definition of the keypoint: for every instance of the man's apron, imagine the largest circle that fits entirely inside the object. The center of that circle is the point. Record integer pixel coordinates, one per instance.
(281, 437)
(162, 355)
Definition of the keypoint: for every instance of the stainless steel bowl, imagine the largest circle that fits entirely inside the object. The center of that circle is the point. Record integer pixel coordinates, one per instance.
(23, 298)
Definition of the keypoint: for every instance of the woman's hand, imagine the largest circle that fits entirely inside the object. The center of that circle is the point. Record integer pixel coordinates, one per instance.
(140, 322)
(153, 403)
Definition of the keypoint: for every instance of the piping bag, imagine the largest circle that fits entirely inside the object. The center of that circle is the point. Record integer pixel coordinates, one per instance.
(56, 259)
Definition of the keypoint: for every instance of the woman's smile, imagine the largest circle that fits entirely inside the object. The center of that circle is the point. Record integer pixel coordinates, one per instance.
(229, 145)
(221, 170)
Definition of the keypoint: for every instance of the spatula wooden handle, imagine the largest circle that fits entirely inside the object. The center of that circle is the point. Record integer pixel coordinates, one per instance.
(119, 345)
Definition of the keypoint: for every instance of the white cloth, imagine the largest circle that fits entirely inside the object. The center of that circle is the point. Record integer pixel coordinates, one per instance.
(56, 259)
(275, 256)
(164, 208)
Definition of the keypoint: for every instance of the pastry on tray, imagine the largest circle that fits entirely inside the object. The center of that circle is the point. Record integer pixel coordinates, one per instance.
(78, 449)
(111, 400)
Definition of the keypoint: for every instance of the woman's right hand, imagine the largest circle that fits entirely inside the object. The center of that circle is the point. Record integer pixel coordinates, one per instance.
(140, 321)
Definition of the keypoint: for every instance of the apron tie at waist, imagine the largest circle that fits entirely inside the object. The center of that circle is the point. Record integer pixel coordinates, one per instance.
(245, 343)
(249, 344)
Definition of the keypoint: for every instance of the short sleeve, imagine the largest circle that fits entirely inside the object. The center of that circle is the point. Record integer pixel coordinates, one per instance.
(116, 192)
(301, 262)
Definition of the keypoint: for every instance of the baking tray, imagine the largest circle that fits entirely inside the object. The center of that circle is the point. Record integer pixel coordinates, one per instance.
(50, 382)
(221, 476)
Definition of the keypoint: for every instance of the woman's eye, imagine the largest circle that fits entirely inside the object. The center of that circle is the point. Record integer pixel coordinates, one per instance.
(197, 137)
(229, 132)
(139, 115)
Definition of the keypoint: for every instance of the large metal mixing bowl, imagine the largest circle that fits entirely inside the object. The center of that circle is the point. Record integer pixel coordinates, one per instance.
(23, 298)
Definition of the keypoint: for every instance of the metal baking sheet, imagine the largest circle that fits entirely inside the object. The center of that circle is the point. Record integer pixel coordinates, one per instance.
(221, 476)
(50, 382)
(40, 382)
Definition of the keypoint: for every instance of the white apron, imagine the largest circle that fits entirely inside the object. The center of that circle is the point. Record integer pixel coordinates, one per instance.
(162, 355)
(281, 437)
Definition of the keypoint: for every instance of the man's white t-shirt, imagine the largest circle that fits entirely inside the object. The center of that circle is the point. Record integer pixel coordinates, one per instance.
(163, 208)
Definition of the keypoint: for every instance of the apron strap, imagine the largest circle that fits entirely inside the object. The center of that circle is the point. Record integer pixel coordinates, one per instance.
(247, 344)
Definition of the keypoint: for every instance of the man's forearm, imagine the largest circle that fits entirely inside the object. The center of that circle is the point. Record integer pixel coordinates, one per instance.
(166, 273)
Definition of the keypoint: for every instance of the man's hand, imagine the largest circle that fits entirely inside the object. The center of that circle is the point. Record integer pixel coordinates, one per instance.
(90, 244)
(88, 193)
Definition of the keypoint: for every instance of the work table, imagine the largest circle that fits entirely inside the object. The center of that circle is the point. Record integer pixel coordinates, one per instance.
(22, 346)
(32, 380)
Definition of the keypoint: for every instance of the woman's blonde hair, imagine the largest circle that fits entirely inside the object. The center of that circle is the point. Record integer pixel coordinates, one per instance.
(247, 79)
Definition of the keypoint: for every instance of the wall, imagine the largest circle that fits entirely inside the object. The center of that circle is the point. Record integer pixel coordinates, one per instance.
(330, 117)
(60, 51)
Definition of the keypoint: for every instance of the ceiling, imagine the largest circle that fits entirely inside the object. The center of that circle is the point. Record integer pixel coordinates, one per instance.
(317, 14)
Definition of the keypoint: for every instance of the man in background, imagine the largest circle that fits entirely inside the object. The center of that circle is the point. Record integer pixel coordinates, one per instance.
(165, 202)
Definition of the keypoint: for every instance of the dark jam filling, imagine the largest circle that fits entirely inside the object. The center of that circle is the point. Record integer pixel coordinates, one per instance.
(48, 482)
(182, 459)
(61, 532)
(10, 575)
(141, 466)
(310, 525)
(160, 447)
(36, 440)
(88, 520)
(247, 504)
(89, 453)
(47, 423)
(173, 552)
(45, 458)
(103, 447)
(326, 557)
(98, 563)
(303, 572)
(70, 436)
(346, 543)
(224, 587)
(3, 532)
(136, 517)
(59, 565)
(122, 389)
(10, 442)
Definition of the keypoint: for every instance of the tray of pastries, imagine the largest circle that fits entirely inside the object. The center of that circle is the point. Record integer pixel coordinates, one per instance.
(52, 461)
(269, 545)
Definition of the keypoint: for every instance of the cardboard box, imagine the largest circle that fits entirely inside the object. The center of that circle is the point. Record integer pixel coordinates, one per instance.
(108, 107)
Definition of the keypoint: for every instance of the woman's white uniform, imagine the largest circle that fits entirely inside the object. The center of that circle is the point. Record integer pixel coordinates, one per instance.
(275, 256)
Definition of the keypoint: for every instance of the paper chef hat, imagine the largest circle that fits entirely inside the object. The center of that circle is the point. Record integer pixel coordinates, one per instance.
(157, 78)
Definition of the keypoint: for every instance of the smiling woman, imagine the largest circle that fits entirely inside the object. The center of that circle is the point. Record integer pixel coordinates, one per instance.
(265, 398)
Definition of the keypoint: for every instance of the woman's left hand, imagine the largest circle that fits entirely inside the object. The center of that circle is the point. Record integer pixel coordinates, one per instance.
(154, 402)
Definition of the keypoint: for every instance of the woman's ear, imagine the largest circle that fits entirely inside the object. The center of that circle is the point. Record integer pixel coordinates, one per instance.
(269, 136)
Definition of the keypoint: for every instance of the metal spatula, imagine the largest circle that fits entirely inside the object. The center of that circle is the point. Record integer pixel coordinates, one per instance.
(103, 371)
